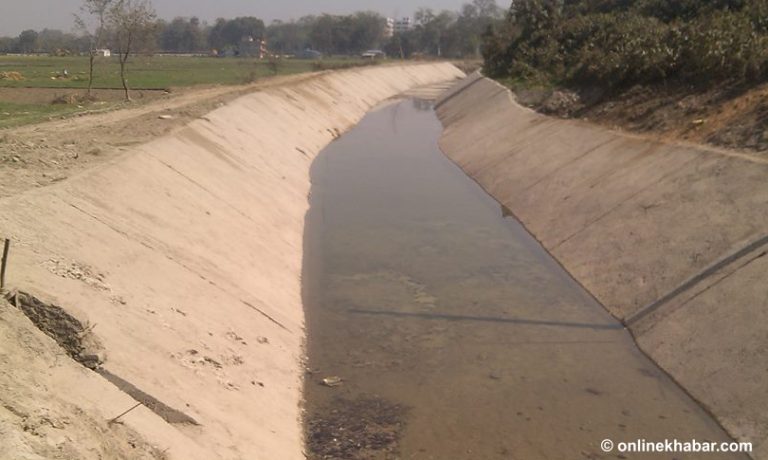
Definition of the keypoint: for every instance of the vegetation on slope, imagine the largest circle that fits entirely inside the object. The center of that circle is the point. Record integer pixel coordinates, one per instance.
(618, 43)
(683, 69)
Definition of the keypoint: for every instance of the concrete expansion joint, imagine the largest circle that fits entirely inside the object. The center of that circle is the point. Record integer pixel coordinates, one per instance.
(699, 277)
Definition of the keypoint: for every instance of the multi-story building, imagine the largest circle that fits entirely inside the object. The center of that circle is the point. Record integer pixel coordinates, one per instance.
(403, 25)
(389, 28)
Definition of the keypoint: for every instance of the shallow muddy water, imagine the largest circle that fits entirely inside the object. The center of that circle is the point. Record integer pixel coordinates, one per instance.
(446, 332)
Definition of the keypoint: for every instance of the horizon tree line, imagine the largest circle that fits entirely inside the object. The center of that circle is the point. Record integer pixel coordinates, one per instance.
(435, 33)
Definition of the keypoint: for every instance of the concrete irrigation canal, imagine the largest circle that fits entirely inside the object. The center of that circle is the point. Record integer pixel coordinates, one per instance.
(440, 329)
(302, 272)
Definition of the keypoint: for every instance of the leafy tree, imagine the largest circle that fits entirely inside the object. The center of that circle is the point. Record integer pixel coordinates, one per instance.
(324, 33)
(488, 9)
(617, 43)
(288, 37)
(27, 41)
(229, 34)
(434, 32)
(9, 44)
(367, 31)
(183, 35)
(447, 33)
(57, 41)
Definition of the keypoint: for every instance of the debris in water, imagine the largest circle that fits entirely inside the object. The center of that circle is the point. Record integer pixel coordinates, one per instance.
(360, 429)
(332, 381)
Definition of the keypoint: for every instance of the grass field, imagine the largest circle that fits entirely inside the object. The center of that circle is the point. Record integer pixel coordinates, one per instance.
(144, 72)
(13, 114)
(151, 71)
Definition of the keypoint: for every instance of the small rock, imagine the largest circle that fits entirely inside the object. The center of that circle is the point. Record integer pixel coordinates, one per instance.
(332, 381)
(165, 117)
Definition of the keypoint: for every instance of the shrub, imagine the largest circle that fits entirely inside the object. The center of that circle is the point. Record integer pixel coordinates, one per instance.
(722, 46)
(623, 42)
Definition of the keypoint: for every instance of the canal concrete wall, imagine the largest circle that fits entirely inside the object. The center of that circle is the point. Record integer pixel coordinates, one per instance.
(183, 257)
(670, 238)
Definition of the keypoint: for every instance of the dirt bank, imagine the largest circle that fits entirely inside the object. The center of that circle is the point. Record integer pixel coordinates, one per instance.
(669, 237)
(41, 154)
(724, 115)
(182, 257)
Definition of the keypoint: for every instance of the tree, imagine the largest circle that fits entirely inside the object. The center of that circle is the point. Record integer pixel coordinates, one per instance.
(131, 22)
(287, 37)
(488, 9)
(182, 35)
(8, 44)
(367, 31)
(449, 33)
(92, 24)
(230, 34)
(535, 16)
(435, 31)
(475, 18)
(27, 42)
(56, 42)
(324, 33)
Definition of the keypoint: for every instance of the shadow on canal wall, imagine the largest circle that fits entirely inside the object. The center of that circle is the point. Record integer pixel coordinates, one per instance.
(670, 238)
(184, 258)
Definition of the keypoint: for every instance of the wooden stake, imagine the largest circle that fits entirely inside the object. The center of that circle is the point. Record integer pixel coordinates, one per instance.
(6, 247)
(114, 420)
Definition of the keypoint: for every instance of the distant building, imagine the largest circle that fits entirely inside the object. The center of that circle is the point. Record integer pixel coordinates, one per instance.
(102, 53)
(389, 28)
(403, 25)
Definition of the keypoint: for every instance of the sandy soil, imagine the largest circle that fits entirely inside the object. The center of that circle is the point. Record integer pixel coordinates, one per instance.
(39, 420)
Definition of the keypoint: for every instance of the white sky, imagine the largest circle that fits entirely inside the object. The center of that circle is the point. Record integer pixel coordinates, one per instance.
(17, 15)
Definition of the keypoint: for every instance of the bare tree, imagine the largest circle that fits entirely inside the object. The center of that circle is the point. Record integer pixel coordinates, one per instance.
(131, 23)
(91, 22)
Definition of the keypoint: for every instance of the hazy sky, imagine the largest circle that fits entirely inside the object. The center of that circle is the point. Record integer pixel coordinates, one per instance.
(17, 15)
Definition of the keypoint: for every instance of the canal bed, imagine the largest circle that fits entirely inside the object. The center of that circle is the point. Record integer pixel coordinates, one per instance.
(438, 328)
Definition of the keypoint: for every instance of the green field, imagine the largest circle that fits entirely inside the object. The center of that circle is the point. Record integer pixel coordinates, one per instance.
(157, 72)
(144, 72)
(12, 114)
